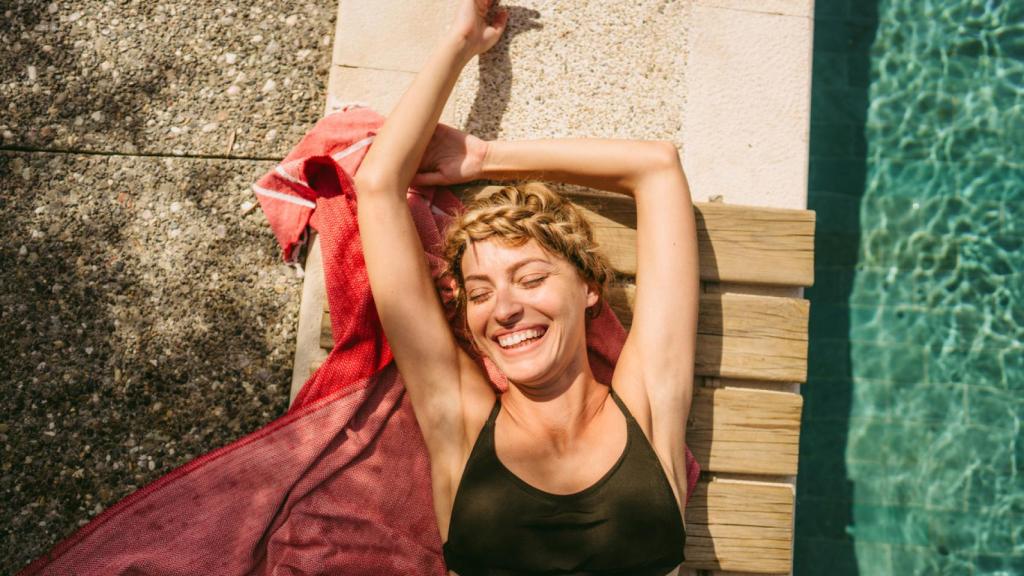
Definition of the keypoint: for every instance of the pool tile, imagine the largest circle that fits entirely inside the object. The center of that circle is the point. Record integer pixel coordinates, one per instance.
(835, 213)
(832, 139)
(982, 367)
(890, 525)
(998, 408)
(829, 517)
(832, 285)
(829, 321)
(888, 362)
(836, 250)
(839, 555)
(929, 561)
(828, 359)
(827, 400)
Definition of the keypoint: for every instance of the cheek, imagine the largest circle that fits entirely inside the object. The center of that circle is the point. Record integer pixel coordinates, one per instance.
(476, 319)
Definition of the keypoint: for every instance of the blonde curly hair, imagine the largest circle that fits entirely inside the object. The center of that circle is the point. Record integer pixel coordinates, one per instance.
(517, 214)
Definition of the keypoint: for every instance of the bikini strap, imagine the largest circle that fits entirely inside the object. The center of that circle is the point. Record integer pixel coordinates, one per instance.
(494, 412)
(621, 405)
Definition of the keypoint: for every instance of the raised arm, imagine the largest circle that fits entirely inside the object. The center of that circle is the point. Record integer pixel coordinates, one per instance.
(407, 303)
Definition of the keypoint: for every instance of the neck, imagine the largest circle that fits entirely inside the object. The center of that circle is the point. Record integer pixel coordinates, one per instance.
(559, 410)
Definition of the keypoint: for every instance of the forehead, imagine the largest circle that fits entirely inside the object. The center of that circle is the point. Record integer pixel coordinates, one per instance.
(494, 257)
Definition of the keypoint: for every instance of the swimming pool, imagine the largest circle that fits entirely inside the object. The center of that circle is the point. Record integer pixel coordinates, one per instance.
(923, 323)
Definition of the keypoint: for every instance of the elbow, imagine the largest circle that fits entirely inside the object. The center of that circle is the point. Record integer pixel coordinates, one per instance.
(369, 181)
(665, 156)
(665, 166)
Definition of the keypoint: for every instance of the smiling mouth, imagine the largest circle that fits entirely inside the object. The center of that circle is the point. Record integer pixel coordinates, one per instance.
(520, 338)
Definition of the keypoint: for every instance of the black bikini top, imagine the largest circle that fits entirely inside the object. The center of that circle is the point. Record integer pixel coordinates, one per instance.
(628, 522)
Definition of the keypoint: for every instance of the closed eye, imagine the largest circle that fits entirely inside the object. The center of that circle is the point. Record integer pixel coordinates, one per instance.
(532, 281)
(479, 296)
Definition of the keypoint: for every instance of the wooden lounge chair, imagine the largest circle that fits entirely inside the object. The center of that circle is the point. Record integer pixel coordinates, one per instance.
(751, 349)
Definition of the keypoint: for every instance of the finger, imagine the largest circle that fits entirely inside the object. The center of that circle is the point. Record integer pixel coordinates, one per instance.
(499, 23)
(428, 179)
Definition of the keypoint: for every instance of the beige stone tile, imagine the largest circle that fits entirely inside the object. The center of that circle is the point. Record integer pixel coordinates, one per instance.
(746, 122)
(787, 7)
(389, 34)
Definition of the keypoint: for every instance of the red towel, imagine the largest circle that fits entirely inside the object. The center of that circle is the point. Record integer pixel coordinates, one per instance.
(341, 483)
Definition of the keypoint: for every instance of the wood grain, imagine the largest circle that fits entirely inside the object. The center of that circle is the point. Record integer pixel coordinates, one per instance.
(740, 525)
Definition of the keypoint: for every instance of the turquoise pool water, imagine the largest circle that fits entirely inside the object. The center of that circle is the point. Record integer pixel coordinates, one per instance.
(935, 447)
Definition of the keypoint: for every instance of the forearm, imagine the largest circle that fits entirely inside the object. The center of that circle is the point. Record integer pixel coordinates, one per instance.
(398, 147)
(614, 165)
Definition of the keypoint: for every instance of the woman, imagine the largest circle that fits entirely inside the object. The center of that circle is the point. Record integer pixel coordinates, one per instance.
(560, 473)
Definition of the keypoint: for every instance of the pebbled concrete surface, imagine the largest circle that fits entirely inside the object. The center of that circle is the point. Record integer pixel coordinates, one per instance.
(145, 314)
(147, 319)
(206, 78)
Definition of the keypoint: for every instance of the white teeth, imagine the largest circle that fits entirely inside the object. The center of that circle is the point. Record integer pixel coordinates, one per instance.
(508, 340)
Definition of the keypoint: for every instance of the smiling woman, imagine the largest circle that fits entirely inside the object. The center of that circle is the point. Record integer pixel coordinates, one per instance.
(558, 473)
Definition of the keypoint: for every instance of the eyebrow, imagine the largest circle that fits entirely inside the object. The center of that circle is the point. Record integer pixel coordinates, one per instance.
(512, 269)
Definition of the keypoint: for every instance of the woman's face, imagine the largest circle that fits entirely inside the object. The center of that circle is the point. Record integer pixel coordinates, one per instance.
(526, 309)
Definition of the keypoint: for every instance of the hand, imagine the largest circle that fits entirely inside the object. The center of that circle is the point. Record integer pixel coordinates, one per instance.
(451, 157)
(471, 24)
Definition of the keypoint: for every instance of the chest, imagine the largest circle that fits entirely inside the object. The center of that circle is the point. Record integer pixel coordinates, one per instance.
(565, 469)
(627, 520)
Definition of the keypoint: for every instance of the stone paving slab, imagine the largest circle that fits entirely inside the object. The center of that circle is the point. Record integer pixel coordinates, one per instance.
(380, 89)
(399, 45)
(748, 105)
(147, 318)
(804, 8)
(206, 78)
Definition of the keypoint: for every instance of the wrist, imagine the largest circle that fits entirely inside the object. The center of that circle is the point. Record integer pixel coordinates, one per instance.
(458, 46)
(493, 165)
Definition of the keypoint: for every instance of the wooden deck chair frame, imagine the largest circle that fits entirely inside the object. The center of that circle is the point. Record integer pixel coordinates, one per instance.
(751, 352)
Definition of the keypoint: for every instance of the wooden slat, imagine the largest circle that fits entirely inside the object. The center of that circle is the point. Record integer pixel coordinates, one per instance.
(314, 301)
(745, 431)
(741, 335)
(740, 244)
(738, 335)
(326, 339)
(742, 526)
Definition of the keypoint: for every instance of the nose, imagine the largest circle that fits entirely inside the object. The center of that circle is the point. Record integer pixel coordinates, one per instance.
(507, 308)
